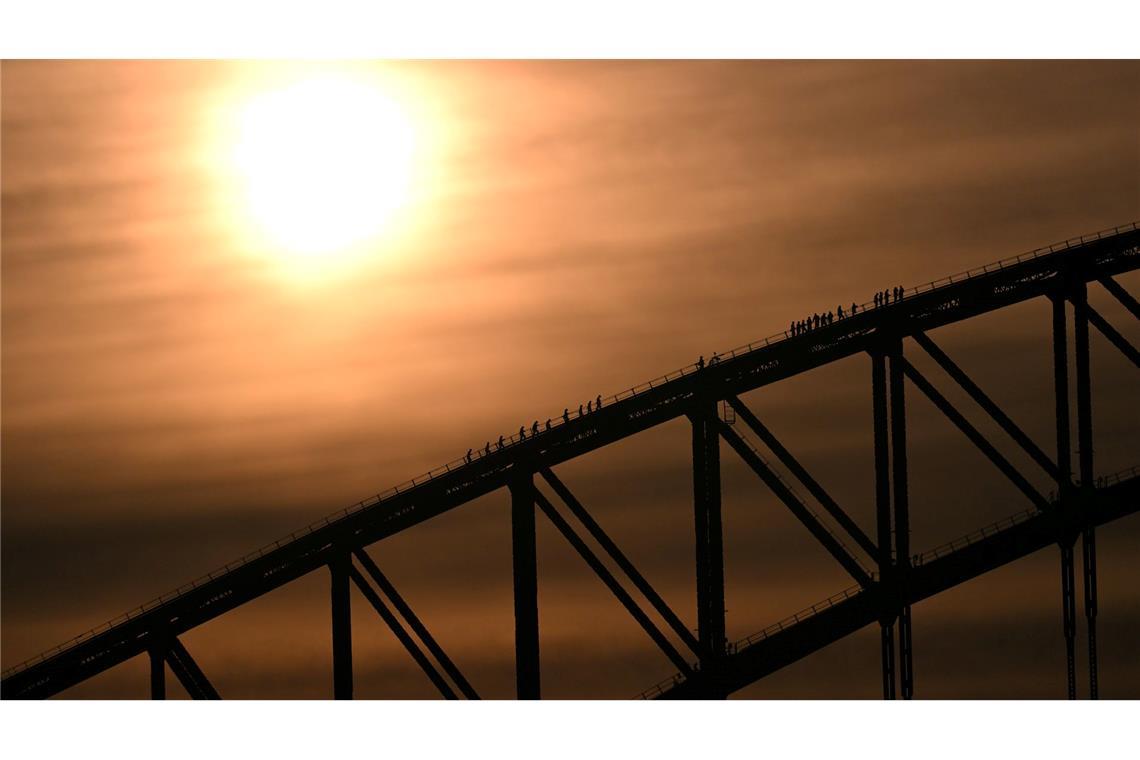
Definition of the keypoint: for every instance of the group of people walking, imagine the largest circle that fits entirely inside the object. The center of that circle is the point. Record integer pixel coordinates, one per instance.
(797, 327)
(816, 321)
(884, 297)
(535, 429)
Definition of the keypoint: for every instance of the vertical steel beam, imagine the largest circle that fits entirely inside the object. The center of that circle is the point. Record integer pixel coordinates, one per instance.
(1061, 392)
(887, 642)
(883, 515)
(709, 532)
(1069, 615)
(157, 672)
(525, 563)
(339, 569)
(1064, 486)
(1085, 455)
(902, 515)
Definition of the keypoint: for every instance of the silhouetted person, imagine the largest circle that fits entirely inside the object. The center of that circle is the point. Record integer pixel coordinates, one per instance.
(854, 307)
(579, 410)
(589, 406)
(598, 402)
(487, 450)
(701, 361)
(534, 428)
(548, 423)
(830, 317)
(467, 458)
(878, 297)
(566, 414)
(522, 432)
(792, 328)
(839, 311)
(715, 359)
(816, 320)
(500, 441)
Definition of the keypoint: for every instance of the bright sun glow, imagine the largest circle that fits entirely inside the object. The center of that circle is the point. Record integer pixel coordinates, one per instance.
(325, 163)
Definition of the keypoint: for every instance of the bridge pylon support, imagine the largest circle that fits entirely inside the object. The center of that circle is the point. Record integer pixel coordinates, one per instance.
(1065, 487)
(1085, 458)
(157, 671)
(525, 565)
(902, 517)
(709, 536)
(888, 403)
(340, 572)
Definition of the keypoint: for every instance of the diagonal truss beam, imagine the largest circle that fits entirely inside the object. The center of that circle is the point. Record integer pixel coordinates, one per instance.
(188, 672)
(1113, 336)
(621, 560)
(416, 625)
(798, 470)
(984, 401)
(611, 583)
(802, 513)
(972, 433)
(1122, 295)
(413, 649)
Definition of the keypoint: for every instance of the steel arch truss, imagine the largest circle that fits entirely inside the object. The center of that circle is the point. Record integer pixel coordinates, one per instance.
(889, 577)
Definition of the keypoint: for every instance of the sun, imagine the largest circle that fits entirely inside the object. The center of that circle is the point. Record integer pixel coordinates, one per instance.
(324, 163)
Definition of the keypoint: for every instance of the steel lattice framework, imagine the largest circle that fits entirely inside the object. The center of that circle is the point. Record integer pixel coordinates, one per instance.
(709, 666)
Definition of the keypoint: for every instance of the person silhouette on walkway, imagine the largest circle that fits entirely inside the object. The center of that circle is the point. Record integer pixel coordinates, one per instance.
(548, 423)
(816, 318)
(598, 402)
(839, 311)
(487, 449)
(589, 406)
(467, 458)
(522, 432)
(792, 328)
(500, 441)
(854, 306)
(830, 317)
(878, 299)
(566, 414)
(701, 361)
(579, 410)
(534, 428)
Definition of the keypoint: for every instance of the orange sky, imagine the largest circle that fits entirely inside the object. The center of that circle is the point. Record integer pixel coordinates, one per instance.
(175, 396)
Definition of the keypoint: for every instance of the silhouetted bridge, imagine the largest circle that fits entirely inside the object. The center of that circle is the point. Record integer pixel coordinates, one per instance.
(709, 666)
